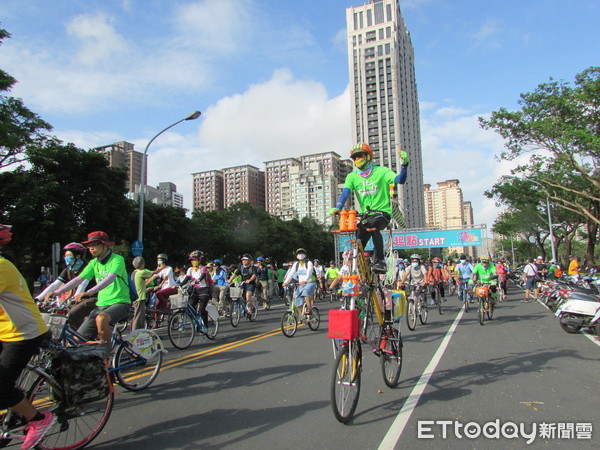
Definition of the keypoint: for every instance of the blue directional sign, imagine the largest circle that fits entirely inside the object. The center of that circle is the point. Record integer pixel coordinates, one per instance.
(137, 248)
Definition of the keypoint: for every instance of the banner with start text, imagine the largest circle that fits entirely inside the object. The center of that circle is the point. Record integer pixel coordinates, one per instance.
(469, 237)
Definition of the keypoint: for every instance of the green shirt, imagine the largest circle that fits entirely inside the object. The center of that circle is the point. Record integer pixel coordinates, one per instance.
(139, 278)
(281, 275)
(117, 291)
(374, 190)
(484, 275)
(332, 272)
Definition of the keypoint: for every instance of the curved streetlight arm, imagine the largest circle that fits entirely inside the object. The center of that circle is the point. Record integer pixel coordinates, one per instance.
(191, 116)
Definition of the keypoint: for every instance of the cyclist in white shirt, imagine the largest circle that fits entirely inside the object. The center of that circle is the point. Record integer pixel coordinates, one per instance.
(303, 270)
(167, 286)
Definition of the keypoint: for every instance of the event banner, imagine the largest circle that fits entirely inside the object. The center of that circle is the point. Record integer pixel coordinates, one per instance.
(470, 237)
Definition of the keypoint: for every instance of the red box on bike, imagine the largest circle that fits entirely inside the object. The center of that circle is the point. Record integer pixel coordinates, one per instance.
(343, 324)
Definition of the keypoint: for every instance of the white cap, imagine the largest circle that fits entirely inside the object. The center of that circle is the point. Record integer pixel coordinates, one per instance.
(539, 257)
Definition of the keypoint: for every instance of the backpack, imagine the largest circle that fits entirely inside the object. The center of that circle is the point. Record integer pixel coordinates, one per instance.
(133, 294)
(558, 272)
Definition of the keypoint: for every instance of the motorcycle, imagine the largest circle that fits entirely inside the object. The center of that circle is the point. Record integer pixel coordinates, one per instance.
(577, 312)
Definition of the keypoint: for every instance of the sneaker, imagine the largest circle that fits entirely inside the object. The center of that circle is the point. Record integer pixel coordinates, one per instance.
(380, 266)
(444, 299)
(37, 430)
(432, 303)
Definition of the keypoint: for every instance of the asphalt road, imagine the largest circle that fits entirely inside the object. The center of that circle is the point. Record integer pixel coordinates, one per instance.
(519, 378)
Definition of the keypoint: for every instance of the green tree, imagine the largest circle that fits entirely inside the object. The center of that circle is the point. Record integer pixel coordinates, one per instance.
(558, 126)
(65, 194)
(20, 128)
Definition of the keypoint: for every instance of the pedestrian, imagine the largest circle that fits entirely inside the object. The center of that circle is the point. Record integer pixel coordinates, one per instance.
(542, 273)
(141, 278)
(573, 266)
(530, 278)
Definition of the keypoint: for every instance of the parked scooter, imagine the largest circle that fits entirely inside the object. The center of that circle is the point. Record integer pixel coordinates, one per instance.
(577, 312)
(595, 322)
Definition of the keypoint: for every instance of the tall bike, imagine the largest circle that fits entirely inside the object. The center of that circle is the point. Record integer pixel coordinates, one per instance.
(376, 329)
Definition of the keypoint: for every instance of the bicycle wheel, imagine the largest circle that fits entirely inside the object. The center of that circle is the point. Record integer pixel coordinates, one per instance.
(423, 313)
(391, 357)
(76, 426)
(481, 312)
(314, 319)
(411, 315)
(253, 313)
(289, 324)
(134, 370)
(236, 313)
(490, 309)
(181, 329)
(345, 381)
(212, 328)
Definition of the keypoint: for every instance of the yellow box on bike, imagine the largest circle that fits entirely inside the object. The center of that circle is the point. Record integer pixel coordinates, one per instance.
(399, 309)
(343, 324)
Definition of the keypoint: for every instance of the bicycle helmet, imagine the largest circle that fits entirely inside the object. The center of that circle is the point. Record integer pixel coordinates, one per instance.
(5, 234)
(332, 262)
(436, 260)
(300, 250)
(260, 258)
(316, 260)
(485, 259)
(76, 248)
(361, 148)
(415, 256)
(162, 256)
(196, 254)
(247, 256)
(217, 262)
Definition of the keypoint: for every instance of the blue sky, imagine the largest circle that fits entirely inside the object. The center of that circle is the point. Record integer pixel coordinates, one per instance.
(271, 76)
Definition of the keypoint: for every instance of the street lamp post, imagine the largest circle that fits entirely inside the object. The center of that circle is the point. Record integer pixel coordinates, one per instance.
(551, 227)
(191, 116)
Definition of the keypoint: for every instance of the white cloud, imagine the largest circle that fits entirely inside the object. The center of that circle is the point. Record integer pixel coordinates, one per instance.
(455, 147)
(214, 25)
(98, 39)
(488, 33)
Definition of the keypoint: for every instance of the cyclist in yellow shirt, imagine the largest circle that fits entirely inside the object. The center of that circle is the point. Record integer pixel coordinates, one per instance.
(22, 330)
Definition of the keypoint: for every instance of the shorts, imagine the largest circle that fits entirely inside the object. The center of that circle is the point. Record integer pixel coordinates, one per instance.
(308, 290)
(530, 283)
(249, 287)
(117, 312)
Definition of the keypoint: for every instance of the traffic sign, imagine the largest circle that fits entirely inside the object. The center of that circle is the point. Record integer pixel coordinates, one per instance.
(137, 248)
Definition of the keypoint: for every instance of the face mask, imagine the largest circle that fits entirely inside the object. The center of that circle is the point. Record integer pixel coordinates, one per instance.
(362, 162)
(414, 264)
(159, 262)
(69, 260)
(462, 261)
(195, 263)
(301, 256)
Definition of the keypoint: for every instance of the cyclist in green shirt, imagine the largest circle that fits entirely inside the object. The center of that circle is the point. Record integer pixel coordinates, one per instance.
(331, 273)
(112, 287)
(485, 273)
(370, 184)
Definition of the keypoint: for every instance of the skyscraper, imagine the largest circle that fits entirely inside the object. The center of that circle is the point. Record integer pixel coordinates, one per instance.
(122, 154)
(383, 95)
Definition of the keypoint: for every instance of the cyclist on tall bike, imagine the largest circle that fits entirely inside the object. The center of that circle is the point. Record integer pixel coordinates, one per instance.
(303, 270)
(22, 330)
(436, 277)
(370, 183)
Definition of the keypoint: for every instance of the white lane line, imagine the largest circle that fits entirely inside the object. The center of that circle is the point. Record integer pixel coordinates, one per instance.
(591, 337)
(393, 435)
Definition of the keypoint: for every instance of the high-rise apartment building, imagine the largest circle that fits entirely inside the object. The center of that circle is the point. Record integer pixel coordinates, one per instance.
(122, 155)
(277, 173)
(383, 95)
(444, 206)
(208, 190)
(169, 195)
(243, 184)
(316, 169)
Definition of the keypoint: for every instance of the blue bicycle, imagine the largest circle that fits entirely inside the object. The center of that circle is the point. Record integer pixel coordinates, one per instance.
(186, 322)
(239, 308)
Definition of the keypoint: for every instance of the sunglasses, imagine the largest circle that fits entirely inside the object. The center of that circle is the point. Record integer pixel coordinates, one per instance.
(358, 155)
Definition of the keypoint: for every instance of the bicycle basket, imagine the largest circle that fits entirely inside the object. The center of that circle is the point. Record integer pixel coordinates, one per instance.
(235, 292)
(482, 291)
(81, 372)
(55, 323)
(343, 324)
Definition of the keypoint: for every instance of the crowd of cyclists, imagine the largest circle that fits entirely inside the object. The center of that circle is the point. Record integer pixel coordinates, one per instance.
(103, 289)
